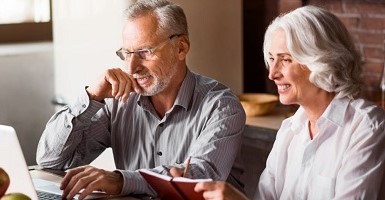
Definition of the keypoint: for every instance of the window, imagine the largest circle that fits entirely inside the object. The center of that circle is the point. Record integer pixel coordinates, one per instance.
(25, 21)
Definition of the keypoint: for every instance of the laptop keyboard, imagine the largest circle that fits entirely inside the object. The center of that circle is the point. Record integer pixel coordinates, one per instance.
(48, 196)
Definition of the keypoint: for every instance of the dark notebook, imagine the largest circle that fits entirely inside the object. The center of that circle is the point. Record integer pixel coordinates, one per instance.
(178, 188)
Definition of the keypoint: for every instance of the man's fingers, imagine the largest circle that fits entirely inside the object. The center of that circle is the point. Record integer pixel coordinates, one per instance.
(84, 182)
(88, 179)
(114, 83)
(88, 190)
(76, 177)
(121, 89)
(70, 173)
(134, 85)
(121, 84)
(69, 190)
(127, 91)
(112, 78)
(124, 85)
(175, 172)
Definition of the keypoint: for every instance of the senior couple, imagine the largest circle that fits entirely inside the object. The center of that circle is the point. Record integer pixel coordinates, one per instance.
(155, 113)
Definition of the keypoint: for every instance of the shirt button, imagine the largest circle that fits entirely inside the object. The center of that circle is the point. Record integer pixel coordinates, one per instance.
(68, 126)
(159, 153)
(161, 125)
(84, 105)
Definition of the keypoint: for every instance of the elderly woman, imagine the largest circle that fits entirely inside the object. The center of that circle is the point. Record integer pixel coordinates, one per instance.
(333, 147)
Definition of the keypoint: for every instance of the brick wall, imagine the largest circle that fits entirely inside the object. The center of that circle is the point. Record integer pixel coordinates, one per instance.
(365, 20)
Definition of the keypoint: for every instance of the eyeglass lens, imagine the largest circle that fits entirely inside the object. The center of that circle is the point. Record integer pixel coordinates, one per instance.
(143, 53)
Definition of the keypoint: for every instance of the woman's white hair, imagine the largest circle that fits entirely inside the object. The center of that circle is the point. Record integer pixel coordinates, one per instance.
(317, 39)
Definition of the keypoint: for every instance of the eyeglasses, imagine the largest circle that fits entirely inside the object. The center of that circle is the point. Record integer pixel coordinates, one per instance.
(145, 54)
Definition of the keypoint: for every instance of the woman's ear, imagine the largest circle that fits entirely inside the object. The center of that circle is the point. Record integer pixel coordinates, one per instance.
(183, 47)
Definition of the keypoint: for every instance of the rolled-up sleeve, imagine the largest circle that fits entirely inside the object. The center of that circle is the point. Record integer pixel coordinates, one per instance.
(65, 139)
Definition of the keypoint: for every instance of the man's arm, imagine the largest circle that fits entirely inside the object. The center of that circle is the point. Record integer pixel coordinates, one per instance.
(71, 137)
(69, 140)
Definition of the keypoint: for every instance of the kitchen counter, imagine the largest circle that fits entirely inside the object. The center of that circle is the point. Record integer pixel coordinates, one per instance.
(273, 120)
(260, 131)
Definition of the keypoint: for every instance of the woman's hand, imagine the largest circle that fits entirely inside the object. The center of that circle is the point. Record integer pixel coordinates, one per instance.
(219, 190)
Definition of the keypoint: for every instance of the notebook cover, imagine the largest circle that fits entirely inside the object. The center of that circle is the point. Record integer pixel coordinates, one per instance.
(162, 185)
(173, 188)
(187, 189)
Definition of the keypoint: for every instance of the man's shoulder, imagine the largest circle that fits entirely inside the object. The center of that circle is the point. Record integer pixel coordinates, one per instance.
(212, 93)
(209, 85)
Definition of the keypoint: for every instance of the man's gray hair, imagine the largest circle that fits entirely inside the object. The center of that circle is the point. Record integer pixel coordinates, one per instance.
(171, 17)
(317, 39)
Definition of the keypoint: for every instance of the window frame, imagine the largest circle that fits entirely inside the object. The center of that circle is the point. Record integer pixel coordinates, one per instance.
(27, 31)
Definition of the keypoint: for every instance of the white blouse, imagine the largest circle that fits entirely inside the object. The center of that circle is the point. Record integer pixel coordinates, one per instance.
(345, 160)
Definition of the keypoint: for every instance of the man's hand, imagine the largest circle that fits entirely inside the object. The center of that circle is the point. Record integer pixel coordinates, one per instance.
(219, 190)
(175, 172)
(114, 83)
(90, 179)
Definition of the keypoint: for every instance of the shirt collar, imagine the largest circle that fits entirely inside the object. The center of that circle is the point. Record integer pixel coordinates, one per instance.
(297, 120)
(186, 90)
(334, 113)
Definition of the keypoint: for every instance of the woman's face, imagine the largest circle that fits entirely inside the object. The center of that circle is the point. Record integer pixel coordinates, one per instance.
(291, 78)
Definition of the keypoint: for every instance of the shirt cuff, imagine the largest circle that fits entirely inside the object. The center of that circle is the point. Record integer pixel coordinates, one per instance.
(84, 107)
(135, 183)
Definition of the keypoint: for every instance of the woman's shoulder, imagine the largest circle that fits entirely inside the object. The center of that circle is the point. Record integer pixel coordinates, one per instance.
(366, 109)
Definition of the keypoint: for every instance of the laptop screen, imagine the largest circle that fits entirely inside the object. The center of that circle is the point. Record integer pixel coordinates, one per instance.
(13, 162)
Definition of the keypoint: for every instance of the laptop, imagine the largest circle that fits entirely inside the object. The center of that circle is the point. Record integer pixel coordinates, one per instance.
(13, 162)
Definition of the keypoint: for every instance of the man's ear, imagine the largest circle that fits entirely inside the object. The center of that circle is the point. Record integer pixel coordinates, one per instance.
(183, 47)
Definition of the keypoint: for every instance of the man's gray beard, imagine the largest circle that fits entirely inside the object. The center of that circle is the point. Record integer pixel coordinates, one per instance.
(161, 85)
(155, 90)
(158, 87)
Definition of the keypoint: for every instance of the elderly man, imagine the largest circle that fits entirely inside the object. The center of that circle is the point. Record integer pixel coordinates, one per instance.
(154, 115)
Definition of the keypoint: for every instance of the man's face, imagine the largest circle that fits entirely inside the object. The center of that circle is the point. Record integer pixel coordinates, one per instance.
(153, 75)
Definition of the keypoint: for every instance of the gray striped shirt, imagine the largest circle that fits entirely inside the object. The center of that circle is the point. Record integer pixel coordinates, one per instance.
(205, 122)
